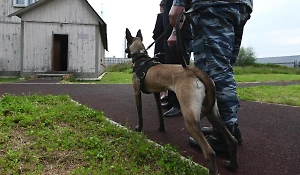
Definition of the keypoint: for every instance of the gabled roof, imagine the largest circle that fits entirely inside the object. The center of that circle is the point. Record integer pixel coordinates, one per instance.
(102, 24)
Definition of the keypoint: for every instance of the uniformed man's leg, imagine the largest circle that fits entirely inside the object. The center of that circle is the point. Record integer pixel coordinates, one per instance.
(215, 51)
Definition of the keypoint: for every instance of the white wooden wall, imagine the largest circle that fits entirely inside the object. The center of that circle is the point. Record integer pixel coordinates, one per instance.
(38, 45)
(80, 24)
(10, 47)
(10, 29)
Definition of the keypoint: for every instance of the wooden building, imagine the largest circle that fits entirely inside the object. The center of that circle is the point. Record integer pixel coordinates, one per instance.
(10, 39)
(57, 36)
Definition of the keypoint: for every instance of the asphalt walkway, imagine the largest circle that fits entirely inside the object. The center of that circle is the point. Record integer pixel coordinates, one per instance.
(271, 132)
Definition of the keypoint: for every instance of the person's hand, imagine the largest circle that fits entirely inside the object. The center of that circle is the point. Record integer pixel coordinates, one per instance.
(173, 14)
(172, 38)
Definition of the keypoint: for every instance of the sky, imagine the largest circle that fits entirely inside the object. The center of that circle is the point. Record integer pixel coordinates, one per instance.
(273, 29)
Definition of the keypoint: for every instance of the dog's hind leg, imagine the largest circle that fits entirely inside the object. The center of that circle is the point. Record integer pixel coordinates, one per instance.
(215, 119)
(138, 101)
(190, 104)
(192, 122)
(160, 116)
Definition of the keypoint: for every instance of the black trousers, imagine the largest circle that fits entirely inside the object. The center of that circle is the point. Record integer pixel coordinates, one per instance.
(171, 57)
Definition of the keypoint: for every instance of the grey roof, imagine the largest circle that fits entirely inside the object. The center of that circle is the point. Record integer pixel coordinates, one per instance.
(278, 60)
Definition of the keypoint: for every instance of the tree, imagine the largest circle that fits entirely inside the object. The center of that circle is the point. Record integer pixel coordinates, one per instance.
(246, 57)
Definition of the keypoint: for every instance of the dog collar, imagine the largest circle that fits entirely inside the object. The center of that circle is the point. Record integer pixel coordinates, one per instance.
(140, 54)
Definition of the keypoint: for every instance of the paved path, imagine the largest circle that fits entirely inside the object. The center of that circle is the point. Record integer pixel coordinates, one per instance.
(271, 132)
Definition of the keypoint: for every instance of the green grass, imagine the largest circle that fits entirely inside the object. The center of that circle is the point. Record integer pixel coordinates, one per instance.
(122, 67)
(265, 69)
(288, 95)
(267, 77)
(116, 78)
(125, 78)
(9, 80)
(121, 73)
(53, 135)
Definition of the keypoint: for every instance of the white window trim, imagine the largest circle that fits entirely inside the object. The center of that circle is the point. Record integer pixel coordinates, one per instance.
(26, 3)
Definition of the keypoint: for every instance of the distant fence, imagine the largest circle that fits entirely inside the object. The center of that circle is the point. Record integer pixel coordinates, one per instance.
(293, 64)
(113, 60)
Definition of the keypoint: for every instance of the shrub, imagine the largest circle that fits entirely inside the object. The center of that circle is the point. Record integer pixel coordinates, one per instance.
(121, 67)
(246, 57)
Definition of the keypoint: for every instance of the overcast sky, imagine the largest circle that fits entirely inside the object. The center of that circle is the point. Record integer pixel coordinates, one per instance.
(273, 30)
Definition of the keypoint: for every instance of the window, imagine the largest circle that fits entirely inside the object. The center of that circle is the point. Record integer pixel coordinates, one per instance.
(31, 1)
(23, 3)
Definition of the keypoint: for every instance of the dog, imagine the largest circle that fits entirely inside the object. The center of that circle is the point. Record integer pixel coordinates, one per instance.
(194, 89)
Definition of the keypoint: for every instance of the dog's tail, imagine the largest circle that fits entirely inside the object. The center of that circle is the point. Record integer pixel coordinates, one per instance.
(210, 91)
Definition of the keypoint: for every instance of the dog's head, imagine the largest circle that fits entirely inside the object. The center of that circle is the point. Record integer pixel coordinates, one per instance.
(134, 44)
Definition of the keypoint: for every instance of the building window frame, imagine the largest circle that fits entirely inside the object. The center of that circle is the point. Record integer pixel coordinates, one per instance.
(25, 4)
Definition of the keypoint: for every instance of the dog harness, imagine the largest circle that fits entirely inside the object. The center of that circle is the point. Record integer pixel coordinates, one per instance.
(142, 63)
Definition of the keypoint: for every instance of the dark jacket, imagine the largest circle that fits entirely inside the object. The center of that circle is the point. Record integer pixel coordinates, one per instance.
(157, 32)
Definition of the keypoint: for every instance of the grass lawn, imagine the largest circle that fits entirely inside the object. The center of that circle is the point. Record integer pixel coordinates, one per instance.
(9, 80)
(54, 135)
(266, 77)
(288, 95)
(125, 78)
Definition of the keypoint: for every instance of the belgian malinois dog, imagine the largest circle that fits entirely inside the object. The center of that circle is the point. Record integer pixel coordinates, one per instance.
(194, 89)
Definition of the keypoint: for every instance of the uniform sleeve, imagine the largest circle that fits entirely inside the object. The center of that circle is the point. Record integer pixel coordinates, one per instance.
(179, 2)
(159, 27)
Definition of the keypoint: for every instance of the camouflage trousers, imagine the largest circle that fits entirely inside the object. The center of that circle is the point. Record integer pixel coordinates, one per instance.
(216, 47)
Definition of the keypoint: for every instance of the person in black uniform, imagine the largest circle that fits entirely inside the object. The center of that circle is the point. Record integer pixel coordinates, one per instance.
(158, 36)
(157, 32)
(171, 56)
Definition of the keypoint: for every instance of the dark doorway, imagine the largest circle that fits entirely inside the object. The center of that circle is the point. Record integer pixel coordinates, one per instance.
(59, 53)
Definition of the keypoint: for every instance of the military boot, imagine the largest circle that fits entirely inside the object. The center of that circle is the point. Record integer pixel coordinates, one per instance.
(236, 133)
(216, 141)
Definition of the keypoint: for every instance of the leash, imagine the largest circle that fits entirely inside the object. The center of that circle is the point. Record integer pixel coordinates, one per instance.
(178, 36)
(160, 36)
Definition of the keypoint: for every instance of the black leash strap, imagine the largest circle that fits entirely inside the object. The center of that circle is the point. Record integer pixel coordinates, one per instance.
(160, 36)
(178, 36)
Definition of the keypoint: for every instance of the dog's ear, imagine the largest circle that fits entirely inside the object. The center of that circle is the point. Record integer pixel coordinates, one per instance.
(129, 39)
(128, 36)
(139, 34)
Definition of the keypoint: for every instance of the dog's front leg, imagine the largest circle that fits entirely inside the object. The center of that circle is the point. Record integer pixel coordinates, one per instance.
(160, 116)
(138, 100)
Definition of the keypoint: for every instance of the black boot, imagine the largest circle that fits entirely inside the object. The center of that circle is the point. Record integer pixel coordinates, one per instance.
(166, 105)
(220, 147)
(174, 111)
(216, 141)
(236, 132)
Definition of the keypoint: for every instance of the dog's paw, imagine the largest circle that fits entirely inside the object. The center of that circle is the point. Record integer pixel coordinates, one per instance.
(230, 166)
(138, 129)
(161, 129)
